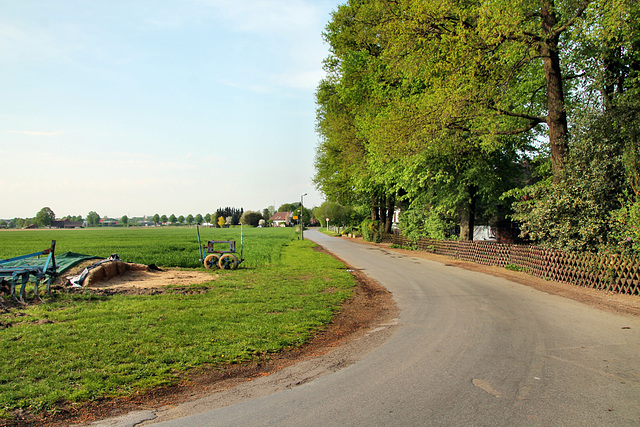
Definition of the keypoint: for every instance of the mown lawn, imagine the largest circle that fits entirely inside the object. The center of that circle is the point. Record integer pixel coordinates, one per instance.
(80, 347)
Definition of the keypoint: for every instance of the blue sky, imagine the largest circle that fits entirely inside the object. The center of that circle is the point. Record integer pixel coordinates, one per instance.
(165, 106)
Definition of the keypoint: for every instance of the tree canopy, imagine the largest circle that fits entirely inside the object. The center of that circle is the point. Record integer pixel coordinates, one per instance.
(93, 218)
(439, 107)
(45, 217)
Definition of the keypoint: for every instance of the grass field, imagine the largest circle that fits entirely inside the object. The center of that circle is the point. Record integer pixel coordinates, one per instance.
(80, 347)
(163, 246)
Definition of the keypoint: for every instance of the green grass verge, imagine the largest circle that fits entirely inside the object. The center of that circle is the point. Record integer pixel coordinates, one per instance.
(81, 347)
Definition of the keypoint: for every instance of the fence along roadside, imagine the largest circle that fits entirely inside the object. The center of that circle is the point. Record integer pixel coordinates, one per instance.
(612, 273)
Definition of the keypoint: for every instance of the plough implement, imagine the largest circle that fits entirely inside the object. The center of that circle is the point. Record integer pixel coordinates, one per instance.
(18, 270)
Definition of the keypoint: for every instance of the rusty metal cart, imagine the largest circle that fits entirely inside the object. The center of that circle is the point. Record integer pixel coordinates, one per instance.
(226, 258)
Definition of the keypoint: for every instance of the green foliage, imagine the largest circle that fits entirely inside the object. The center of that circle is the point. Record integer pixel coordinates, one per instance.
(409, 248)
(371, 231)
(231, 215)
(626, 227)
(250, 218)
(421, 221)
(333, 211)
(289, 207)
(514, 267)
(575, 214)
(441, 105)
(44, 217)
(93, 219)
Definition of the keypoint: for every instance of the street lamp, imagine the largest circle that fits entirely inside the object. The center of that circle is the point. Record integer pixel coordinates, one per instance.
(301, 221)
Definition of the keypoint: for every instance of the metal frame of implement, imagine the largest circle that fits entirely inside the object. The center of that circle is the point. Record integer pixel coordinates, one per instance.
(213, 258)
(22, 273)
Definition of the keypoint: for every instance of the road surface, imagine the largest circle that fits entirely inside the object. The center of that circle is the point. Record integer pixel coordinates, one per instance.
(468, 349)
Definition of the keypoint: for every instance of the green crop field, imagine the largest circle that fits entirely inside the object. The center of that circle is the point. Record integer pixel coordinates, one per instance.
(81, 347)
(163, 246)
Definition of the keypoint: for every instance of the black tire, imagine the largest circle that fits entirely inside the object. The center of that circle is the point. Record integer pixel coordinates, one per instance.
(228, 262)
(211, 261)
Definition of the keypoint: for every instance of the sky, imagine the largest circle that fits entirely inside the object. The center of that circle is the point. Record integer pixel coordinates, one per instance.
(129, 107)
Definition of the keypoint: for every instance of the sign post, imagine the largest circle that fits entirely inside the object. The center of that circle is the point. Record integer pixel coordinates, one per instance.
(301, 217)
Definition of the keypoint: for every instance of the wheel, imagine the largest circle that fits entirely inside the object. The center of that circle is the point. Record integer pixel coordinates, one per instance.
(211, 261)
(228, 262)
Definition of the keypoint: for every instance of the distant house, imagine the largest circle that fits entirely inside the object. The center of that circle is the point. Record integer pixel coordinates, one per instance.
(281, 219)
(67, 224)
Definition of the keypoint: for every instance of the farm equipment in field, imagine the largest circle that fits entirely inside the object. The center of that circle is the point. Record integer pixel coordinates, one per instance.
(225, 259)
(18, 270)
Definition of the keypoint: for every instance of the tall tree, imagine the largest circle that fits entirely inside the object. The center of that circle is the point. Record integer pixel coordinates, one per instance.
(93, 219)
(251, 218)
(491, 69)
(355, 89)
(44, 217)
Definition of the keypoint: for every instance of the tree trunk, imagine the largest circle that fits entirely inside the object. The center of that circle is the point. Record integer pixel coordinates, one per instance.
(383, 211)
(468, 215)
(557, 115)
(391, 208)
(375, 207)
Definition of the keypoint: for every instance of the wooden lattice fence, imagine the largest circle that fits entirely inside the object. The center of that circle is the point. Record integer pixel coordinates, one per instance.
(612, 273)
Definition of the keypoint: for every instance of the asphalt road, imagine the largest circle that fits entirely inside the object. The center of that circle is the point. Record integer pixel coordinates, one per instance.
(469, 349)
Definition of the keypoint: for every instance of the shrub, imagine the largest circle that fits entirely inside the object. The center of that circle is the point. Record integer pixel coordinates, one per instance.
(371, 231)
(576, 213)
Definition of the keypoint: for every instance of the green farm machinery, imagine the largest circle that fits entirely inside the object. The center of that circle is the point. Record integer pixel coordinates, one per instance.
(18, 271)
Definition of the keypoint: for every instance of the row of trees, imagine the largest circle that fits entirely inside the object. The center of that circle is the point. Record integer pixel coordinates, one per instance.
(458, 112)
(43, 218)
(222, 217)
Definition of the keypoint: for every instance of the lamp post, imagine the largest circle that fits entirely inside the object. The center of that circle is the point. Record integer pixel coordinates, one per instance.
(301, 221)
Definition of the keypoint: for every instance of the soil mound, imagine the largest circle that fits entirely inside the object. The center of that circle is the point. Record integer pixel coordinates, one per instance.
(117, 275)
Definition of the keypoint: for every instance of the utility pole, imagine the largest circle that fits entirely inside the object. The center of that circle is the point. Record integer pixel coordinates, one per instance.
(301, 221)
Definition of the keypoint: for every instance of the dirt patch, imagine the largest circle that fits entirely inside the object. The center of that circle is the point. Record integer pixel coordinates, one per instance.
(130, 278)
(154, 279)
